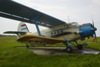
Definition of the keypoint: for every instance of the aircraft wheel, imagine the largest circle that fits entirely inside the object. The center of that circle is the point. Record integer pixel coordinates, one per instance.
(27, 45)
(44, 45)
(69, 49)
(80, 47)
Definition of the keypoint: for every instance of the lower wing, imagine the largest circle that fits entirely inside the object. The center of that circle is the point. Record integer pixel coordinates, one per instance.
(38, 39)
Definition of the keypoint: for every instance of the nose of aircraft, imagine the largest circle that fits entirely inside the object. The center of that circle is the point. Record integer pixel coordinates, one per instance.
(88, 30)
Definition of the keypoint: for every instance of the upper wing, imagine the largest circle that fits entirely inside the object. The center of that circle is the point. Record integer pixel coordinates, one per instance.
(16, 11)
(38, 39)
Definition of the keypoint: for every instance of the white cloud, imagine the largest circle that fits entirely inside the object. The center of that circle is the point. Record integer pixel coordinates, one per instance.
(97, 2)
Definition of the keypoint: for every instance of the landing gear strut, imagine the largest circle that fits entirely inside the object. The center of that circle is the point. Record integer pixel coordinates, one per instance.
(27, 46)
(69, 49)
(79, 46)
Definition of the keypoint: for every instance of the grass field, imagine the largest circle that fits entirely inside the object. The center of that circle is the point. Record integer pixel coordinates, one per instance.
(12, 56)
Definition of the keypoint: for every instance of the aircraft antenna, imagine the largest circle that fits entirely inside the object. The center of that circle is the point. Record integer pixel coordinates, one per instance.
(68, 19)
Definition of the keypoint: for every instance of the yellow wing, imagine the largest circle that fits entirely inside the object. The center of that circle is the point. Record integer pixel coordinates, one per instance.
(38, 39)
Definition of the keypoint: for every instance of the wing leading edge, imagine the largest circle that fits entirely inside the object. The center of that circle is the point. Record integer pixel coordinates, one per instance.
(16, 11)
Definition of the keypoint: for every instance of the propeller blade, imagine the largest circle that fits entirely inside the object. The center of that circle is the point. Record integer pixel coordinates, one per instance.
(95, 36)
(92, 22)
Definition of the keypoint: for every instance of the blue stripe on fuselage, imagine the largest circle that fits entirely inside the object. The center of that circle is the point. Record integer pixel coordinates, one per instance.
(23, 28)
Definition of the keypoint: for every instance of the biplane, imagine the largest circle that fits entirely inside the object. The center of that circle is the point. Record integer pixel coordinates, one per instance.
(58, 31)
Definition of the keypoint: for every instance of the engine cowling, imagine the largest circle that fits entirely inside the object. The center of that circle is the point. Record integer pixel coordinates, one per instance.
(87, 30)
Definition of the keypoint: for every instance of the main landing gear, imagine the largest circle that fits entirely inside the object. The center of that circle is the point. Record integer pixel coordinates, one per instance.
(69, 49)
(79, 46)
(27, 45)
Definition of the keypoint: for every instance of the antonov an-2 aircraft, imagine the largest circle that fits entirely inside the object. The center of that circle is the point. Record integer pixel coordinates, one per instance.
(58, 31)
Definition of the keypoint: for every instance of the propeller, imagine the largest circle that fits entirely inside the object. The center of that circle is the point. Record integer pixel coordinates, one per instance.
(94, 29)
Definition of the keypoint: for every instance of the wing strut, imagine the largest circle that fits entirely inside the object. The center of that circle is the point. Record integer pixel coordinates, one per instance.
(37, 27)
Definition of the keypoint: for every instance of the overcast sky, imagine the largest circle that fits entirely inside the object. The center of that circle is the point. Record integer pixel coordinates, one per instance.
(80, 11)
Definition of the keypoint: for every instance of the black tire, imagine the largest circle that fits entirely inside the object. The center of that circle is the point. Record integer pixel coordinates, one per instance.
(44, 45)
(80, 47)
(27, 46)
(69, 49)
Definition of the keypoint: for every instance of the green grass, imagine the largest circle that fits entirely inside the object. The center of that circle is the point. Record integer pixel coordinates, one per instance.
(12, 56)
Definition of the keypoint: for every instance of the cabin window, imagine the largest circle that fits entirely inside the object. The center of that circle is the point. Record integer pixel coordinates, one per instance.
(53, 33)
(56, 32)
(61, 31)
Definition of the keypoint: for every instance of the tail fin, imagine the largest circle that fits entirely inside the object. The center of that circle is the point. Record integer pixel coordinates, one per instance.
(22, 27)
(22, 30)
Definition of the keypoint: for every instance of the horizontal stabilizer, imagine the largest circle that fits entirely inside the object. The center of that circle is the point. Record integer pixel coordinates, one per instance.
(14, 32)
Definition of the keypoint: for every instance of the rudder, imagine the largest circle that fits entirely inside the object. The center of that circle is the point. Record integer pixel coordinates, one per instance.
(23, 27)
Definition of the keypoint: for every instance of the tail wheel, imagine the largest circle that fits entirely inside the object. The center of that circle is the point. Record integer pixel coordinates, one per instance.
(27, 45)
(80, 46)
(69, 49)
(44, 45)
